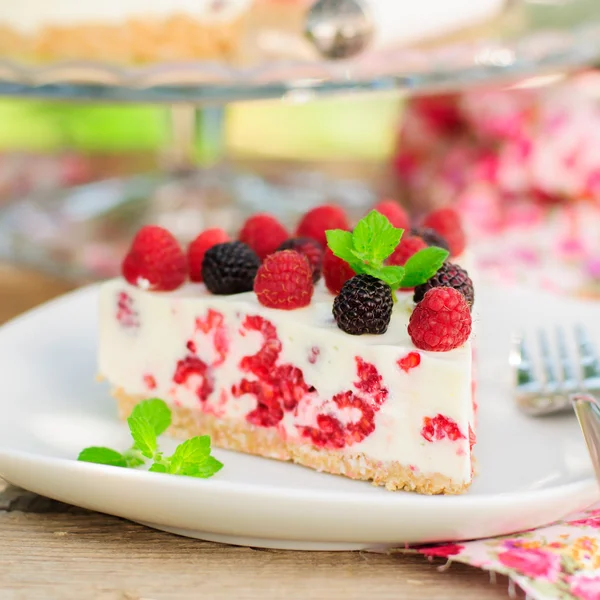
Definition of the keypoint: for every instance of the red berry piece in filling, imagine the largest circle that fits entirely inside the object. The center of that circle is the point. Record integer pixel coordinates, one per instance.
(440, 428)
(408, 246)
(410, 361)
(126, 315)
(191, 371)
(441, 321)
(335, 272)
(330, 432)
(284, 281)
(263, 233)
(277, 388)
(150, 382)
(395, 214)
(313, 355)
(213, 322)
(317, 221)
(197, 249)
(472, 438)
(447, 222)
(155, 261)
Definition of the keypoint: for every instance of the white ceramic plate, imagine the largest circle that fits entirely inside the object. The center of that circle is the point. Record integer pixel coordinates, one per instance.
(532, 471)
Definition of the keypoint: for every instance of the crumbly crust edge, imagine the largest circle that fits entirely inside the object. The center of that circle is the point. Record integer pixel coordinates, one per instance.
(244, 437)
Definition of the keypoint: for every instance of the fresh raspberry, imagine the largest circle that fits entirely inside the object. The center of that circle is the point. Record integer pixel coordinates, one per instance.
(430, 237)
(155, 261)
(335, 272)
(230, 268)
(318, 220)
(448, 224)
(311, 249)
(409, 245)
(396, 215)
(441, 321)
(363, 306)
(284, 281)
(263, 233)
(197, 249)
(449, 275)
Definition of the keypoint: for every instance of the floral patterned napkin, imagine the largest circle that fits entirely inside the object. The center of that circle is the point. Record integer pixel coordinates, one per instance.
(558, 562)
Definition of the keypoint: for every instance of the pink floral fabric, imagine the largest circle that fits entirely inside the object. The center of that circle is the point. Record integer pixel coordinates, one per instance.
(558, 562)
(522, 166)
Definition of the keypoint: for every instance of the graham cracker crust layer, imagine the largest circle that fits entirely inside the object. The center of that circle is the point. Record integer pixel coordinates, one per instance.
(244, 437)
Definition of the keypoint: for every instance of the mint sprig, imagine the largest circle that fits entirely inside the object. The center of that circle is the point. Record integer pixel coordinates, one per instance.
(373, 240)
(148, 420)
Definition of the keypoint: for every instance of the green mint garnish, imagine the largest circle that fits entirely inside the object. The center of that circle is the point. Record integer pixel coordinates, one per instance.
(104, 456)
(423, 265)
(148, 420)
(373, 240)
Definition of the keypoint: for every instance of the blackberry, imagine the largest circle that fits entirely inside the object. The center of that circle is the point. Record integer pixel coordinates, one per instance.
(449, 275)
(364, 305)
(311, 249)
(230, 268)
(430, 237)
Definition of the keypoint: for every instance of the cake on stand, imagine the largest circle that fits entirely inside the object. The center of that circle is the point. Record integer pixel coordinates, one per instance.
(199, 56)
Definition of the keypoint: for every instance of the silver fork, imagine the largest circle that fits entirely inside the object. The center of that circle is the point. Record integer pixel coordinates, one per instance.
(546, 386)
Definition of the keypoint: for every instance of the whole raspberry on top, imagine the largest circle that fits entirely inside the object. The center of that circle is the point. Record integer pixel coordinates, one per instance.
(335, 272)
(447, 222)
(363, 306)
(409, 245)
(284, 281)
(449, 275)
(396, 215)
(198, 247)
(311, 249)
(263, 233)
(316, 221)
(230, 268)
(155, 261)
(441, 321)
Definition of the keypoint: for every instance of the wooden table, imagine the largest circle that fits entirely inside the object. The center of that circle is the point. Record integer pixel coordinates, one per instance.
(52, 551)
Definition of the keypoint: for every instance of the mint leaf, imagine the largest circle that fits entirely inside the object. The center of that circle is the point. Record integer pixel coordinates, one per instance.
(340, 243)
(133, 458)
(392, 275)
(375, 238)
(423, 265)
(142, 432)
(147, 421)
(206, 469)
(191, 452)
(158, 468)
(156, 412)
(102, 456)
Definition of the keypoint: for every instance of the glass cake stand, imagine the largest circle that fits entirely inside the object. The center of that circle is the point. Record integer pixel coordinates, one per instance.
(82, 231)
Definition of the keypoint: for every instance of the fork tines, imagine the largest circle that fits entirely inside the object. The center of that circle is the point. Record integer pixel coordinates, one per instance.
(543, 386)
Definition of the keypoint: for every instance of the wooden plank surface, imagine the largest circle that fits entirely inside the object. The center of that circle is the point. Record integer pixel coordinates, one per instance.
(52, 551)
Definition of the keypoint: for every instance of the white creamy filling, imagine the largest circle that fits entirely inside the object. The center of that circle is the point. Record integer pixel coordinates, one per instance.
(441, 384)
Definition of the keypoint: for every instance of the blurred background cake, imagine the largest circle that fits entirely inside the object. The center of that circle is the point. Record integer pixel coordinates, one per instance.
(232, 31)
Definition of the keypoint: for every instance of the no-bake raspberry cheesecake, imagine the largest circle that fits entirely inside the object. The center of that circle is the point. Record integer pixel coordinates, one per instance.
(343, 373)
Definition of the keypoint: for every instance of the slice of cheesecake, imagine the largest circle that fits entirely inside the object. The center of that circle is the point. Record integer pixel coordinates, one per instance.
(291, 384)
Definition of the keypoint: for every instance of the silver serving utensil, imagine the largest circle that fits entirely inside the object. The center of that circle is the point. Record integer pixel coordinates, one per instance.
(587, 409)
(547, 374)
